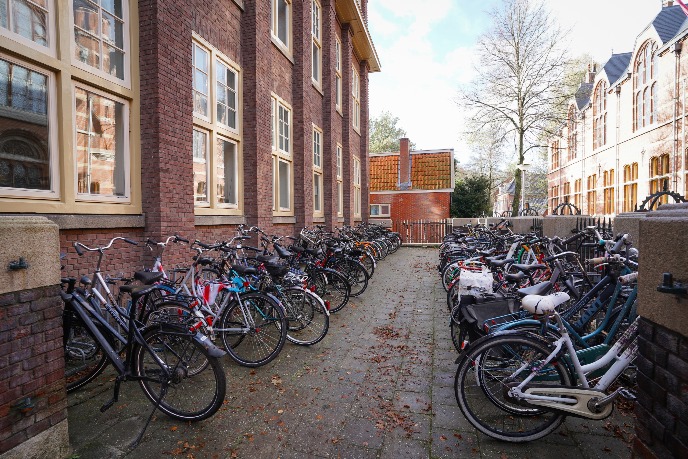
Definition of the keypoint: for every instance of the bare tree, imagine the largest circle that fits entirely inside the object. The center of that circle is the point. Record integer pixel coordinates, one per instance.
(520, 87)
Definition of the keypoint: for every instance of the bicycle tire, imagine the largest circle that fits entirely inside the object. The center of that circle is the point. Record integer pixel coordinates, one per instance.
(307, 317)
(354, 272)
(480, 382)
(366, 260)
(189, 397)
(84, 357)
(261, 341)
(332, 287)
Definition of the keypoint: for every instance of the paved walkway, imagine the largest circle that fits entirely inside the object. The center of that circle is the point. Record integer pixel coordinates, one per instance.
(380, 385)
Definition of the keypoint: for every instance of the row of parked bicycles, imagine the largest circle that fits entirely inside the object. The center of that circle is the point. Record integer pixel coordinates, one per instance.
(169, 329)
(541, 332)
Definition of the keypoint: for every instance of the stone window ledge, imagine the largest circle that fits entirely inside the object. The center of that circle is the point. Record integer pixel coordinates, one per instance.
(217, 220)
(283, 220)
(71, 221)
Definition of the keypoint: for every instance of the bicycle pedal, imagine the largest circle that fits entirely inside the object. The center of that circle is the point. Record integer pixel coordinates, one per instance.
(108, 405)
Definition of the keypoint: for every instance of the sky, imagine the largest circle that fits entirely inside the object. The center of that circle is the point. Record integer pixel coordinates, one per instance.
(426, 52)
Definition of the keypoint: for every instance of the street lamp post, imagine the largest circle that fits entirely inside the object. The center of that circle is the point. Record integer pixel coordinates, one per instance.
(523, 167)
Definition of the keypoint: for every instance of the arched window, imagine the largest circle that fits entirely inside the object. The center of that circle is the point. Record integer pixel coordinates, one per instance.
(599, 113)
(644, 86)
(572, 138)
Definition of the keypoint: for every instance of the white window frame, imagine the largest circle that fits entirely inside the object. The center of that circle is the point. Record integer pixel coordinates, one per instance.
(357, 186)
(318, 171)
(282, 155)
(340, 181)
(126, 31)
(50, 32)
(274, 25)
(338, 74)
(316, 47)
(356, 99)
(53, 155)
(208, 169)
(380, 213)
(219, 131)
(86, 197)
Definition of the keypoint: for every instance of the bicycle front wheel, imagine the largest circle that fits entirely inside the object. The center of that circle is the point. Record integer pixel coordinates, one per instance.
(182, 392)
(354, 272)
(84, 358)
(254, 331)
(307, 317)
(487, 372)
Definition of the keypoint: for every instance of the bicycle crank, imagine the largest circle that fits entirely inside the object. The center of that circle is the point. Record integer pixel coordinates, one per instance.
(586, 403)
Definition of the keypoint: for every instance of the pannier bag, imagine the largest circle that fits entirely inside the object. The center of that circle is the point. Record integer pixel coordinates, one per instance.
(475, 310)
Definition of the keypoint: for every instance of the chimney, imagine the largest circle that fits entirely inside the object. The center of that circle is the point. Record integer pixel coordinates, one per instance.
(404, 164)
(666, 3)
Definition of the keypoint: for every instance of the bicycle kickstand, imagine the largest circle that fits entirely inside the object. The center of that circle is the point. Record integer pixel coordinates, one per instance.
(115, 396)
(163, 392)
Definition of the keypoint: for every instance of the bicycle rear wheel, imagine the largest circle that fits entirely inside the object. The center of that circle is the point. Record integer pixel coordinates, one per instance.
(307, 317)
(188, 396)
(354, 272)
(84, 358)
(255, 334)
(332, 287)
(486, 373)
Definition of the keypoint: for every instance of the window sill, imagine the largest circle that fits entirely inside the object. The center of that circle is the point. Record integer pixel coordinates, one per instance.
(240, 4)
(217, 220)
(282, 49)
(317, 87)
(319, 219)
(66, 221)
(340, 219)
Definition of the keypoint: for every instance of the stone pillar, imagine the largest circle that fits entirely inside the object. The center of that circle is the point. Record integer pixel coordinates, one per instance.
(629, 223)
(33, 400)
(559, 225)
(662, 408)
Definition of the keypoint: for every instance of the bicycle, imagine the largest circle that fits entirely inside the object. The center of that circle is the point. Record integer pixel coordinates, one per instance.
(519, 386)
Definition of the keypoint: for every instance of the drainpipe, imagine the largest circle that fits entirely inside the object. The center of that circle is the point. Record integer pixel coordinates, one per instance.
(677, 51)
(617, 90)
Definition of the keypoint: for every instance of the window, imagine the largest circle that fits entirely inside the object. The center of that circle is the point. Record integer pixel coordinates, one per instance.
(567, 192)
(379, 210)
(357, 187)
(577, 193)
(356, 99)
(599, 115)
(27, 19)
(99, 33)
(317, 172)
(340, 185)
(226, 90)
(338, 74)
(317, 43)
(609, 207)
(572, 135)
(27, 153)
(281, 22)
(659, 175)
(644, 86)
(281, 157)
(554, 196)
(217, 162)
(201, 165)
(555, 154)
(592, 194)
(630, 174)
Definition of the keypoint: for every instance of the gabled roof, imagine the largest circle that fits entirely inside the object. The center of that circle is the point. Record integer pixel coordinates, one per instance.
(430, 170)
(616, 66)
(668, 22)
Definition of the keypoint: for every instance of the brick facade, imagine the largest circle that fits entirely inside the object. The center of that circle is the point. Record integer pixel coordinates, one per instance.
(415, 206)
(662, 408)
(31, 364)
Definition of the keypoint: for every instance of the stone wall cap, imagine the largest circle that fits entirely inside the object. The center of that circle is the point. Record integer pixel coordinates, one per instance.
(24, 220)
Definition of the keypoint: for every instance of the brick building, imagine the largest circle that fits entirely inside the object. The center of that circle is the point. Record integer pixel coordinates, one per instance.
(411, 185)
(158, 117)
(626, 135)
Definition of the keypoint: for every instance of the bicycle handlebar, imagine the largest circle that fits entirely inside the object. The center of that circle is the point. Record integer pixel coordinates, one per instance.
(628, 278)
(78, 246)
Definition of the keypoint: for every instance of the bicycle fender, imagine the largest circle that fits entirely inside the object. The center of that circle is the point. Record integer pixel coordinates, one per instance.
(529, 334)
(204, 341)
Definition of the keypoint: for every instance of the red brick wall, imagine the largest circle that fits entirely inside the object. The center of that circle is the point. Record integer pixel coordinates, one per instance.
(31, 364)
(415, 206)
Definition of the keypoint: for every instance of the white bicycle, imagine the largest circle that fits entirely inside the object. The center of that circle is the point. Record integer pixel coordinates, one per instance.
(518, 386)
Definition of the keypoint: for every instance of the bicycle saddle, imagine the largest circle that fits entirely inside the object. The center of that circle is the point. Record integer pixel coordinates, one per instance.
(538, 304)
(537, 289)
(147, 277)
(244, 269)
(515, 277)
(528, 268)
(282, 252)
(500, 263)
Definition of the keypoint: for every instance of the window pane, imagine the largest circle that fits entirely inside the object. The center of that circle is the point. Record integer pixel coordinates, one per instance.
(86, 16)
(200, 80)
(374, 210)
(226, 96)
(316, 62)
(24, 152)
(100, 150)
(316, 192)
(226, 172)
(282, 20)
(284, 185)
(384, 209)
(340, 198)
(200, 165)
(113, 31)
(283, 129)
(113, 61)
(87, 49)
(113, 6)
(30, 21)
(3, 13)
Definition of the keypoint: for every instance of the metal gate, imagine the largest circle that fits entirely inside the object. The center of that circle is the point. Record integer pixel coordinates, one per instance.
(422, 231)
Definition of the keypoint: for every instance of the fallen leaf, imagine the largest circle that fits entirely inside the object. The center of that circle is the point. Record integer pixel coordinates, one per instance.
(280, 411)
(443, 438)
(173, 428)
